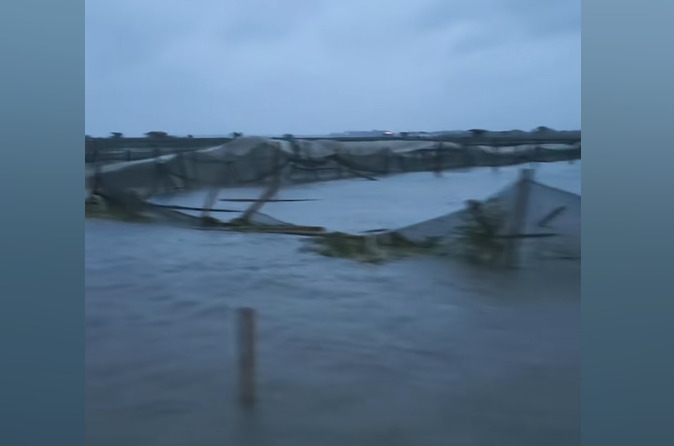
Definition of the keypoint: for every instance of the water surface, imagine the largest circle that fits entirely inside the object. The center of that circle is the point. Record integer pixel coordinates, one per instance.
(417, 352)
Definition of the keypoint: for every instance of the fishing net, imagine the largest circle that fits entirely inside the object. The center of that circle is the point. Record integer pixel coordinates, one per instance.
(255, 160)
(525, 222)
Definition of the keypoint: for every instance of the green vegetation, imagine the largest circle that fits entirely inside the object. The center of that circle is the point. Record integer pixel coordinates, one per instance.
(476, 237)
(368, 249)
(96, 207)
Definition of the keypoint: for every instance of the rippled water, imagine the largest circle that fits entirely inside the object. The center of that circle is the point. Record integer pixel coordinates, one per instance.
(417, 352)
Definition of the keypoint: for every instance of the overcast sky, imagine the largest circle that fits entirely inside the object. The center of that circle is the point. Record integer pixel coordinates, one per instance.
(317, 66)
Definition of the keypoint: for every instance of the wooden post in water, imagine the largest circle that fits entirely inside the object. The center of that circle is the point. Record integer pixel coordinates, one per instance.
(97, 169)
(497, 160)
(518, 218)
(438, 161)
(246, 346)
(195, 166)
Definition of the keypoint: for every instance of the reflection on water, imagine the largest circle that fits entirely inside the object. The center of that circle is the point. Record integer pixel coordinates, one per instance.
(417, 352)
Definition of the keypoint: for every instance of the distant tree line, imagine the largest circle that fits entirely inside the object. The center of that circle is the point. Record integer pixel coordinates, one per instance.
(159, 135)
(476, 133)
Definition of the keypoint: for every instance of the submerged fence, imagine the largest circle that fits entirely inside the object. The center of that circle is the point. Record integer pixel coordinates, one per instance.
(250, 161)
(134, 149)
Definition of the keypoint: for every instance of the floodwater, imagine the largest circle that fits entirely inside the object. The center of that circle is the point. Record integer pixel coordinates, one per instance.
(423, 351)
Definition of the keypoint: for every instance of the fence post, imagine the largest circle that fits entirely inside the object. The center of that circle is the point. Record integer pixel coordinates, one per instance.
(246, 347)
(497, 159)
(518, 218)
(438, 160)
(97, 168)
(195, 167)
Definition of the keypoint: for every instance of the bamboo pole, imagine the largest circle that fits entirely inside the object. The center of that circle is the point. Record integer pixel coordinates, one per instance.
(246, 346)
(518, 219)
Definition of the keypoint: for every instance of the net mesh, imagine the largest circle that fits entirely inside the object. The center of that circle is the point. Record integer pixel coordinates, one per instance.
(255, 160)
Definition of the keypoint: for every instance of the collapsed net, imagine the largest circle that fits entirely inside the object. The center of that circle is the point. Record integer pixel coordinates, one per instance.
(254, 160)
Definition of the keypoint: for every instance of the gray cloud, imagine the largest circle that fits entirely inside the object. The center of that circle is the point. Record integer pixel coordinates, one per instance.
(311, 66)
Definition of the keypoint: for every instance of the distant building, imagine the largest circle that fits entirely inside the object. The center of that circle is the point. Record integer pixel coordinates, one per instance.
(155, 134)
(365, 134)
(116, 135)
(478, 132)
(415, 134)
(449, 134)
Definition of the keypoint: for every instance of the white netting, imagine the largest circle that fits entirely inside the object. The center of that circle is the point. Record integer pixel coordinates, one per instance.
(253, 160)
(550, 226)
